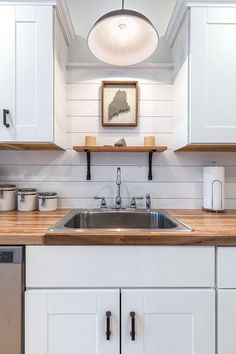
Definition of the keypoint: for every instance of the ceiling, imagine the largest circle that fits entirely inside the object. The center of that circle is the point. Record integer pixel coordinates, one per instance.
(84, 13)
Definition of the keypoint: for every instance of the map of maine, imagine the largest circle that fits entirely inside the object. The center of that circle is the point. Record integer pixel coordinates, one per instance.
(118, 105)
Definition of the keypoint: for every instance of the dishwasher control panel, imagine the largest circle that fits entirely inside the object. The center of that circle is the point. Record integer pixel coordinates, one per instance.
(11, 254)
(6, 256)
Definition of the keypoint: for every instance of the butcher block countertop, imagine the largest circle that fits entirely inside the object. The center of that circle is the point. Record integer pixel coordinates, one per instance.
(31, 228)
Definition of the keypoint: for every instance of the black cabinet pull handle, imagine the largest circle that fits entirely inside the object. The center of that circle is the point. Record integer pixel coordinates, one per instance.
(132, 333)
(5, 112)
(108, 321)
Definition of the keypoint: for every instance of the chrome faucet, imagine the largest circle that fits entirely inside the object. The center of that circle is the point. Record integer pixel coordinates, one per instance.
(118, 183)
(103, 202)
(148, 201)
(133, 204)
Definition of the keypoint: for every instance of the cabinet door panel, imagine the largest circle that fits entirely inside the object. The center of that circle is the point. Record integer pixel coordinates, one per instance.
(26, 76)
(34, 73)
(26, 71)
(7, 69)
(213, 75)
(226, 322)
(59, 322)
(169, 321)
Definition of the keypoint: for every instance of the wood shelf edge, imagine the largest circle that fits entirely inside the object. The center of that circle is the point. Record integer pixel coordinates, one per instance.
(207, 148)
(30, 146)
(120, 148)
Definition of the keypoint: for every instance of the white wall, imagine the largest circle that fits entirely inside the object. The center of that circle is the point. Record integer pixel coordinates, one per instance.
(177, 177)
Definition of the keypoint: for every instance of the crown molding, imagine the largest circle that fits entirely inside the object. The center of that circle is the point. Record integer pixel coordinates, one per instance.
(175, 21)
(29, 2)
(180, 10)
(62, 11)
(64, 17)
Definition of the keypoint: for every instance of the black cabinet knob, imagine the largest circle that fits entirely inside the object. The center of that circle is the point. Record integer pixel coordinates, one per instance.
(132, 332)
(5, 112)
(108, 322)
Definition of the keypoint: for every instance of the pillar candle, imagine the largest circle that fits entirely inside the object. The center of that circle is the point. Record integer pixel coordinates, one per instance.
(149, 140)
(90, 140)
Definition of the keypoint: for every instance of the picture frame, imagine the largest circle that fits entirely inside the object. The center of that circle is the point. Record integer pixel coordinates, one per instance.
(119, 103)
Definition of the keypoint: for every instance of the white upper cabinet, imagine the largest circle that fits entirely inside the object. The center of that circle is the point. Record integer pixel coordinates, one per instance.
(28, 52)
(7, 70)
(205, 77)
(213, 75)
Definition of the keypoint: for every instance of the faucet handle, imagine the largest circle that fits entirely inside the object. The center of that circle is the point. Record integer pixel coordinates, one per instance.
(133, 204)
(103, 201)
(148, 201)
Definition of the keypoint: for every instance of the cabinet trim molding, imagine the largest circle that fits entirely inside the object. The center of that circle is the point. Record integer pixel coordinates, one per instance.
(179, 13)
(62, 13)
(65, 21)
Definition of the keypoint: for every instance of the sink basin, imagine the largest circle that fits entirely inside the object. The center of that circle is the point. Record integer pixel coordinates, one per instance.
(118, 220)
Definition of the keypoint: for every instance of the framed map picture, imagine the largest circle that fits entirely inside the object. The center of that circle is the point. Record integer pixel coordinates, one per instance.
(119, 103)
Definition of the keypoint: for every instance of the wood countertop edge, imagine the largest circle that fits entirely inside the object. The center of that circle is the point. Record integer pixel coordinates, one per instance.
(32, 229)
(140, 239)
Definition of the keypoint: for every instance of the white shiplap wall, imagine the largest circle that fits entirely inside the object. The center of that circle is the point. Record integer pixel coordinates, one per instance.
(177, 181)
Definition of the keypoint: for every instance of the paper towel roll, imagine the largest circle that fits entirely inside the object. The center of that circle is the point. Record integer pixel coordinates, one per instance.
(214, 188)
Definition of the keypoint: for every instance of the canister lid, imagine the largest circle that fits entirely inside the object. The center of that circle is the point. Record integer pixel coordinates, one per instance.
(7, 187)
(27, 191)
(48, 195)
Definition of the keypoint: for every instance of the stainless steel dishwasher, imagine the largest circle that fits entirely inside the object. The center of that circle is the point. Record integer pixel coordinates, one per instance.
(11, 300)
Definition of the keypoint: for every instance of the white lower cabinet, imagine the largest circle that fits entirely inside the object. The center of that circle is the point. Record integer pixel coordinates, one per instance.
(161, 300)
(226, 299)
(72, 321)
(152, 321)
(168, 321)
(226, 321)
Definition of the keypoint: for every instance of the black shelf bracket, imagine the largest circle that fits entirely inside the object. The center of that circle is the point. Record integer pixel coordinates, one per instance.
(150, 164)
(150, 155)
(88, 165)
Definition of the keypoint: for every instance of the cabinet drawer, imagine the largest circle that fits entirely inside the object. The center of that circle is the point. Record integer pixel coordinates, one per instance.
(119, 266)
(226, 267)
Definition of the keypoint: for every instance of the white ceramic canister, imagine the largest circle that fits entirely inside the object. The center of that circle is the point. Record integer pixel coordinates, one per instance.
(47, 201)
(7, 197)
(27, 199)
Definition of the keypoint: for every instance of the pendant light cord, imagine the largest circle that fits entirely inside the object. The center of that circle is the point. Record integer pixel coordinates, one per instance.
(123, 4)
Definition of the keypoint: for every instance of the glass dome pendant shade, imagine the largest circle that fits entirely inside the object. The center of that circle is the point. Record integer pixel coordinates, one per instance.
(123, 37)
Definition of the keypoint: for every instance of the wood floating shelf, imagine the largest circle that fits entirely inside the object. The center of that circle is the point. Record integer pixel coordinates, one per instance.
(107, 148)
(30, 146)
(208, 148)
(149, 149)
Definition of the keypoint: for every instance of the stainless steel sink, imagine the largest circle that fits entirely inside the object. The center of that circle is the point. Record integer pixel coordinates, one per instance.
(118, 220)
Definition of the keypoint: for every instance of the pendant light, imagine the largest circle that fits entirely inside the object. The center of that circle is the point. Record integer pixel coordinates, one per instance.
(123, 37)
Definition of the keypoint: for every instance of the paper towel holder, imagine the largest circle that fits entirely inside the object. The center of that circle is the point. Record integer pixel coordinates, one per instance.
(212, 199)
